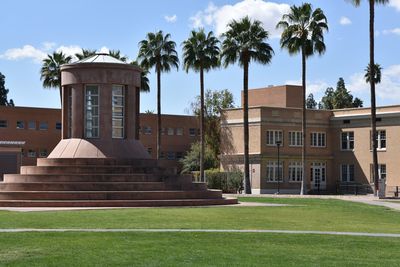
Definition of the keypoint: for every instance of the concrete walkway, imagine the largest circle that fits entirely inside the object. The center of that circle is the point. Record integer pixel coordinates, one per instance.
(99, 230)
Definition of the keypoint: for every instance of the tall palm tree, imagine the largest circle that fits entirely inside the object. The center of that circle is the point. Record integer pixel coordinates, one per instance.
(158, 51)
(303, 32)
(50, 72)
(372, 84)
(377, 76)
(201, 53)
(245, 41)
(85, 53)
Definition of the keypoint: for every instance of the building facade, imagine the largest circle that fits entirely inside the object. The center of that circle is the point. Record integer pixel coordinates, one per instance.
(339, 157)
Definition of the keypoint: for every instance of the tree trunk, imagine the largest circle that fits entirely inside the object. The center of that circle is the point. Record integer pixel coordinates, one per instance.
(303, 189)
(373, 103)
(202, 143)
(158, 112)
(247, 184)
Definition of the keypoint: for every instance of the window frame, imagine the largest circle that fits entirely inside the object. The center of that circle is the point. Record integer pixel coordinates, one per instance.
(297, 167)
(85, 113)
(295, 133)
(349, 178)
(348, 141)
(274, 165)
(318, 145)
(275, 137)
(114, 116)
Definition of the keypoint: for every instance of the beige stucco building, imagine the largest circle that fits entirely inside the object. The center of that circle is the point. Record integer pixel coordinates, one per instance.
(338, 144)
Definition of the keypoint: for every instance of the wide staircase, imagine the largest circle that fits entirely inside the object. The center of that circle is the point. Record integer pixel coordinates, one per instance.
(103, 182)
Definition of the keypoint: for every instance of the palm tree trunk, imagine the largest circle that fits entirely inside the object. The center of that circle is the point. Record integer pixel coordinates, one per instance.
(303, 189)
(373, 103)
(158, 113)
(202, 143)
(247, 184)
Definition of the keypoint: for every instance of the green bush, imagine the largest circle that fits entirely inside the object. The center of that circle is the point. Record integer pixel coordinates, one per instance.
(228, 182)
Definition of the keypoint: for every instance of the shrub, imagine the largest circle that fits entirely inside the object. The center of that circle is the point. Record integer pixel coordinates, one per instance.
(228, 182)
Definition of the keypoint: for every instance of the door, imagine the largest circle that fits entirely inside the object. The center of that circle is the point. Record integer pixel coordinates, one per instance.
(318, 176)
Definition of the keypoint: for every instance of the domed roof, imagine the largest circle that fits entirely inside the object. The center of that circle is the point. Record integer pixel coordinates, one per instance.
(100, 58)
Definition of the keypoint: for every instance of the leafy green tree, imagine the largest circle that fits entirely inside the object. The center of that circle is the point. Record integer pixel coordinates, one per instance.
(327, 99)
(357, 103)
(303, 32)
(342, 97)
(372, 84)
(4, 92)
(158, 51)
(85, 53)
(50, 72)
(245, 41)
(191, 161)
(310, 102)
(201, 54)
(214, 102)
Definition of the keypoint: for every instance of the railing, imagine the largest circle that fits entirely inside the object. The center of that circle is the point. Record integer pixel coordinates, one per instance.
(354, 189)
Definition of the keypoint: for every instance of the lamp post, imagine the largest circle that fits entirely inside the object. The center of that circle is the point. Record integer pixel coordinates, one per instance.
(278, 144)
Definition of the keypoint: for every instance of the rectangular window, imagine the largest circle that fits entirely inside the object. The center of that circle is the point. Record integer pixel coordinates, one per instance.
(170, 155)
(20, 125)
(192, 132)
(179, 131)
(273, 136)
(170, 131)
(3, 124)
(43, 125)
(43, 153)
(381, 137)
(92, 111)
(295, 171)
(58, 125)
(347, 141)
(347, 172)
(381, 172)
(31, 153)
(32, 125)
(295, 139)
(118, 111)
(318, 139)
(273, 172)
(147, 130)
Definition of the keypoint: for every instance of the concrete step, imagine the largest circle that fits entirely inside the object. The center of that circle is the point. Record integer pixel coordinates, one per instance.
(83, 186)
(108, 195)
(117, 203)
(84, 169)
(25, 178)
(96, 161)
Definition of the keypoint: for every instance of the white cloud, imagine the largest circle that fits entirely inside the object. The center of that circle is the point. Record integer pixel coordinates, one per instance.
(171, 19)
(395, 4)
(104, 49)
(70, 50)
(269, 13)
(395, 31)
(389, 88)
(48, 45)
(345, 21)
(313, 87)
(26, 52)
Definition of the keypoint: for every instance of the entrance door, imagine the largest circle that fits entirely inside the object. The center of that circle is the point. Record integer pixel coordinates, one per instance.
(318, 176)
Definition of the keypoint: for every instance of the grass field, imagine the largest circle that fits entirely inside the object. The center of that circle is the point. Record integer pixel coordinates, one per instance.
(200, 249)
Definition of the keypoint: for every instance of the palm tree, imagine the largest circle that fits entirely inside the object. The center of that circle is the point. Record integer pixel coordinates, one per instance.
(244, 41)
(303, 32)
(117, 54)
(50, 72)
(158, 51)
(377, 73)
(85, 53)
(201, 53)
(372, 85)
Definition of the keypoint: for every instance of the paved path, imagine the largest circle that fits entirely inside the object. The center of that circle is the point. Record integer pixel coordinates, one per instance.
(99, 230)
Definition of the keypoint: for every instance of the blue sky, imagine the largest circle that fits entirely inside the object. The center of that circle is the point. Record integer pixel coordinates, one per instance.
(31, 29)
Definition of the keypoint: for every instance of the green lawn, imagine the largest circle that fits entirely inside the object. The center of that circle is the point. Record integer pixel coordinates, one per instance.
(204, 249)
(191, 249)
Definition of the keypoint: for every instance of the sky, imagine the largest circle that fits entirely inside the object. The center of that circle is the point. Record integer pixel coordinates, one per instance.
(33, 29)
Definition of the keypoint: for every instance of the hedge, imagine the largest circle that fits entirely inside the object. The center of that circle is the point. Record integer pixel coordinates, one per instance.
(228, 182)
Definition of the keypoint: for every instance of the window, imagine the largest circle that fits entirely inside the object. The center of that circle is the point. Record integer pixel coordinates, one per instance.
(3, 124)
(347, 141)
(149, 150)
(58, 125)
(295, 171)
(347, 172)
(295, 139)
(32, 125)
(318, 139)
(273, 172)
(20, 125)
(43, 153)
(192, 132)
(147, 130)
(273, 136)
(118, 106)
(179, 131)
(92, 111)
(43, 125)
(170, 155)
(162, 131)
(381, 172)
(381, 137)
(346, 121)
(170, 131)
(31, 153)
